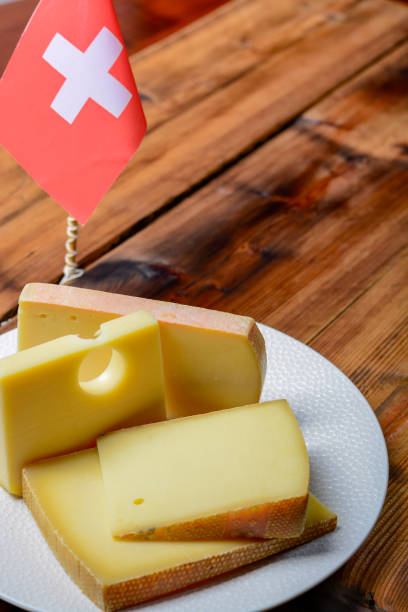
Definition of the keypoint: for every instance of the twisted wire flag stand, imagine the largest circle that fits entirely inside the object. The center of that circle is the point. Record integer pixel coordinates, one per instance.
(71, 270)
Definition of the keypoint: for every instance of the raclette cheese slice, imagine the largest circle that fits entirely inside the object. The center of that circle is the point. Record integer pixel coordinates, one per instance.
(241, 472)
(67, 499)
(49, 406)
(212, 360)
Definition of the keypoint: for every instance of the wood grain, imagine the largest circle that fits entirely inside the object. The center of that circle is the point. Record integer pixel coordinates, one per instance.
(379, 365)
(188, 148)
(141, 22)
(243, 35)
(302, 215)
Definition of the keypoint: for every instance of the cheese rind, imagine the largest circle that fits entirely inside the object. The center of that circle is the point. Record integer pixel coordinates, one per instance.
(212, 360)
(67, 499)
(46, 409)
(241, 472)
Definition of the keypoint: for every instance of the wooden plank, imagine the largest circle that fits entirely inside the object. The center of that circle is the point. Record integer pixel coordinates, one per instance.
(214, 52)
(369, 342)
(301, 220)
(185, 150)
(142, 21)
(145, 21)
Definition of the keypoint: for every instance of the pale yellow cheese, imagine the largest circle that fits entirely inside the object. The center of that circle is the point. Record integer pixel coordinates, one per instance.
(240, 472)
(48, 406)
(212, 360)
(67, 499)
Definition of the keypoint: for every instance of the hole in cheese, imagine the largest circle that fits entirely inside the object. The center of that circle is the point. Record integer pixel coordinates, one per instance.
(101, 370)
(211, 360)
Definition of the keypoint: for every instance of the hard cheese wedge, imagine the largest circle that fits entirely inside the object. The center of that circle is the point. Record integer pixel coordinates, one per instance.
(45, 408)
(67, 499)
(212, 360)
(241, 472)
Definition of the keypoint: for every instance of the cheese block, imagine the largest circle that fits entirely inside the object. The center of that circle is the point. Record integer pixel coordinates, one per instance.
(241, 472)
(212, 360)
(67, 499)
(49, 406)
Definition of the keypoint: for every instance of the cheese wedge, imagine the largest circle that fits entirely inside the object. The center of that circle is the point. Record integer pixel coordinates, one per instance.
(212, 360)
(67, 499)
(47, 407)
(241, 472)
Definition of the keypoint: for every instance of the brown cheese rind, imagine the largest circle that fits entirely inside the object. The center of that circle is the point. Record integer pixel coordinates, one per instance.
(258, 344)
(282, 519)
(80, 311)
(143, 588)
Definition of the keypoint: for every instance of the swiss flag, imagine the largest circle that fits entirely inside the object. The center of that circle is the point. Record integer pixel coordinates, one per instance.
(70, 113)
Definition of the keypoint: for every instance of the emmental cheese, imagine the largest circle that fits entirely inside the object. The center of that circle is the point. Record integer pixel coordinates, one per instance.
(67, 499)
(48, 407)
(212, 360)
(241, 472)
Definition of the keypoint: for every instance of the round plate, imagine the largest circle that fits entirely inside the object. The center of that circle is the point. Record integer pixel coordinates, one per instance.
(349, 473)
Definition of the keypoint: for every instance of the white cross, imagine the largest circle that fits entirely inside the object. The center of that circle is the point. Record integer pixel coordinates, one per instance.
(87, 75)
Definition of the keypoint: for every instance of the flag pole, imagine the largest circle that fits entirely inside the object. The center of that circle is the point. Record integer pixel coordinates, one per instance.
(71, 270)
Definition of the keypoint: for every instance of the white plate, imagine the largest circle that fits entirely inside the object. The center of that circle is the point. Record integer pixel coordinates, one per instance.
(349, 473)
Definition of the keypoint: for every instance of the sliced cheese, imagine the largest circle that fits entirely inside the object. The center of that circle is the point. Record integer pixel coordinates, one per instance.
(212, 360)
(47, 407)
(67, 499)
(241, 472)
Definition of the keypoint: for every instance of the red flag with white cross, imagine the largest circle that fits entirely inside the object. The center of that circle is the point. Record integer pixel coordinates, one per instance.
(70, 113)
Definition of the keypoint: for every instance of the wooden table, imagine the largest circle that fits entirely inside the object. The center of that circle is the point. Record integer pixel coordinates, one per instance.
(273, 182)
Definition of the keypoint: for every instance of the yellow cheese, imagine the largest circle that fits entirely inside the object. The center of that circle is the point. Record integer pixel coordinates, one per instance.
(212, 360)
(241, 472)
(47, 407)
(67, 499)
